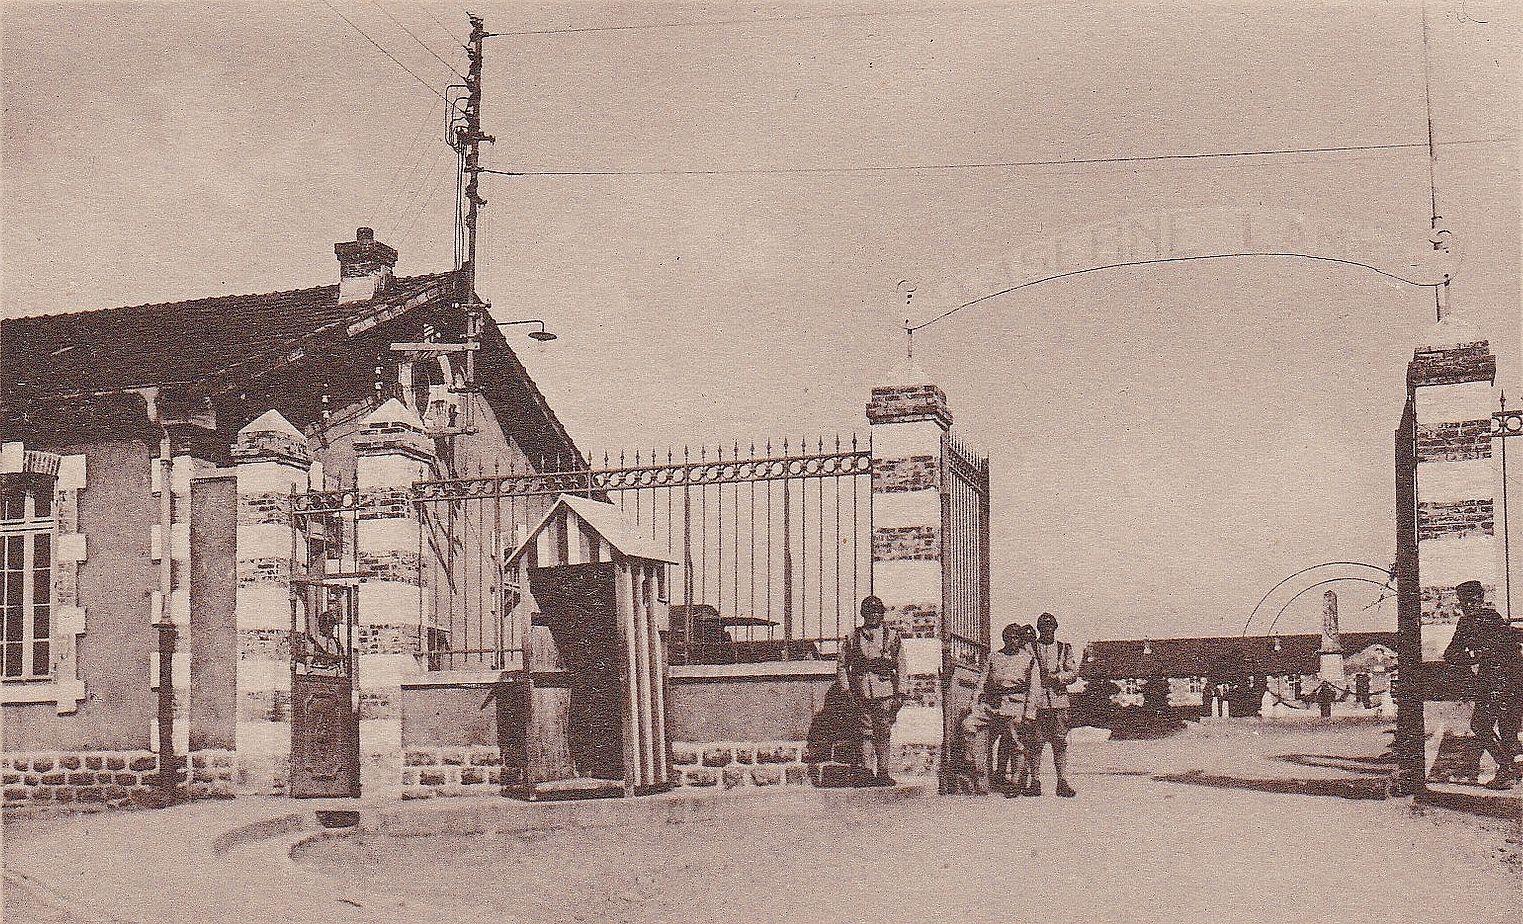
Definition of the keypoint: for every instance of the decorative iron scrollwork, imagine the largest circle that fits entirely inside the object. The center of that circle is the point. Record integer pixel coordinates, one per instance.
(1507, 423)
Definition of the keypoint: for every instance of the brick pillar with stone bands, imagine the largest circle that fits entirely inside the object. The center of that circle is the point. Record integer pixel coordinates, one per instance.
(909, 424)
(273, 460)
(1451, 379)
(393, 451)
(1451, 376)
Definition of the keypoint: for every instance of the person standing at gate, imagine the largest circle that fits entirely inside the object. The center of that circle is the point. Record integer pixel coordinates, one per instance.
(999, 705)
(1487, 646)
(871, 667)
(1047, 706)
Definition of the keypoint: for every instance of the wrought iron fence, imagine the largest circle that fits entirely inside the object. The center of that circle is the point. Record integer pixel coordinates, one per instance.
(965, 552)
(774, 546)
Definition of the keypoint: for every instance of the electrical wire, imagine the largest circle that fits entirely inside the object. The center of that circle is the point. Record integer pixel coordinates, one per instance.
(403, 26)
(421, 200)
(405, 165)
(736, 22)
(428, 86)
(417, 175)
(447, 30)
(993, 165)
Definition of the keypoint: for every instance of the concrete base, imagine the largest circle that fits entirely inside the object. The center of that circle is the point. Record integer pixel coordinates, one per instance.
(1474, 800)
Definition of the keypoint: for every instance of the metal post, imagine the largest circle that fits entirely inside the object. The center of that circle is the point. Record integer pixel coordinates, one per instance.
(787, 570)
(166, 780)
(1505, 521)
(1410, 692)
(687, 566)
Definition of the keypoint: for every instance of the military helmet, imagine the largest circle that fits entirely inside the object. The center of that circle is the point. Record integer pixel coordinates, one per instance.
(872, 604)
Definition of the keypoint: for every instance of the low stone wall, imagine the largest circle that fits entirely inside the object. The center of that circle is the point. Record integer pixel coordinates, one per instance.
(113, 778)
(464, 771)
(729, 764)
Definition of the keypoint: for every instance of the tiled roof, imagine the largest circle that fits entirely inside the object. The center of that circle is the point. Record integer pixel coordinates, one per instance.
(1195, 657)
(196, 341)
(216, 344)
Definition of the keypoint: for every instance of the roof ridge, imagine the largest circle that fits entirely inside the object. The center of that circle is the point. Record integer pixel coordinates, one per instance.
(215, 298)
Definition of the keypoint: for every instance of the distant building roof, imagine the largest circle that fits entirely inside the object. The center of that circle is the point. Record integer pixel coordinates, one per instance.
(1198, 657)
(222, 346)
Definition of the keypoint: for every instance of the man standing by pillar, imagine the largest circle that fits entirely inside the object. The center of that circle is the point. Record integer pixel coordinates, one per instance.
(1048, 705)
(871, 667)
(1483, 641)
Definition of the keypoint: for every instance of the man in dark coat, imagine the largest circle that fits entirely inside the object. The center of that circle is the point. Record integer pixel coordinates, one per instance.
(1488, 647)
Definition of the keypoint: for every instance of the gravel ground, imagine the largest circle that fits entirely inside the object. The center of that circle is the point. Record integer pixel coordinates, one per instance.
(1128, 849)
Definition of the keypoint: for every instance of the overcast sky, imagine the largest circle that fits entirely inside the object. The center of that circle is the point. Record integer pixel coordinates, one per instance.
(1167, 441)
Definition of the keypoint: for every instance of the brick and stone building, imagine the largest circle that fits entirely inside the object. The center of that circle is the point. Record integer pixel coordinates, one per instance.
(149, 458)
(1288, 667)
(198, 494)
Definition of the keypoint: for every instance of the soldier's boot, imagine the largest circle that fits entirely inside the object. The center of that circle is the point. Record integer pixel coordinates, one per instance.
(1060, 764)
(882, 763)
(1033, 762)
(976, 744)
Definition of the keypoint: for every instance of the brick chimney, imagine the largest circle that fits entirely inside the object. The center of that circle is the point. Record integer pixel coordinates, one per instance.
(364, 267)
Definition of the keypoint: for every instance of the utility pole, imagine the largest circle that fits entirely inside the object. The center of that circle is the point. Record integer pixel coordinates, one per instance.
(467, 144)
(1438, 236)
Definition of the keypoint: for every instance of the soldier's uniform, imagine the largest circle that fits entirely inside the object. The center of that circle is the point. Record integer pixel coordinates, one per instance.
(871, 668)
(1046, 712)
(999, 707)
(1485, 640)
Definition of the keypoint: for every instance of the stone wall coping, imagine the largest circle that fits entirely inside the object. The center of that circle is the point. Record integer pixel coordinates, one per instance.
(458, 678)
(768, 670)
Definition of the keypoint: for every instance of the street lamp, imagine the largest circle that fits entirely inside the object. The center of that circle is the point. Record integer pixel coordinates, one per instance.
(541, 335)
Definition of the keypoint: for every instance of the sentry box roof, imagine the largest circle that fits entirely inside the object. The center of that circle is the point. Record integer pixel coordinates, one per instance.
(578, 531)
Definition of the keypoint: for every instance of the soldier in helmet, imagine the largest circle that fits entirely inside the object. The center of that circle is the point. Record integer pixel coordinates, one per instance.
(1046, 710)
(999, 705)
(871, 668)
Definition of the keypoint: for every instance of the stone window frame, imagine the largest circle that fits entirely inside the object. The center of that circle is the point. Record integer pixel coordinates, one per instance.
(62, 686)
(30, 534)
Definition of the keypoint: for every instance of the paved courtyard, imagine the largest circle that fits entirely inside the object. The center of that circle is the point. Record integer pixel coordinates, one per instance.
(1130, 848)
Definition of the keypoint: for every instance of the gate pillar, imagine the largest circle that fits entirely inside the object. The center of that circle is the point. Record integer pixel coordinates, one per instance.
(1449, 384)
(909, 423)
(392, 452)
(272, 460)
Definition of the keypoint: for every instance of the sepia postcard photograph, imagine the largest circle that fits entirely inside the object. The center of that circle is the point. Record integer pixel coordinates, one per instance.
(834, 461)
